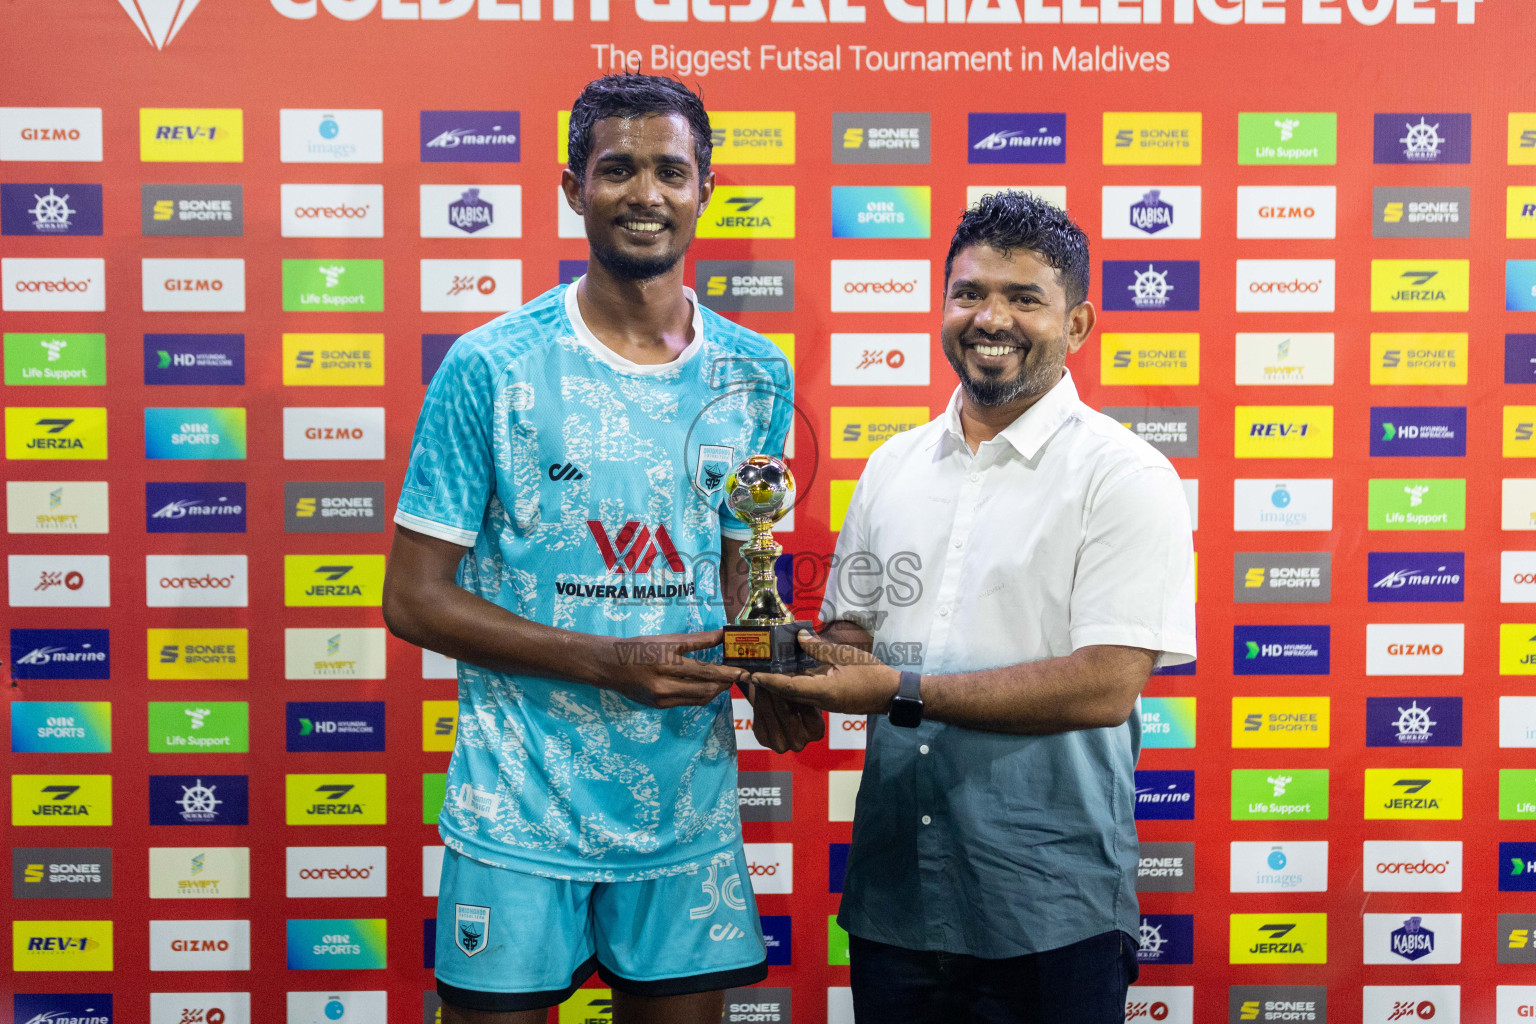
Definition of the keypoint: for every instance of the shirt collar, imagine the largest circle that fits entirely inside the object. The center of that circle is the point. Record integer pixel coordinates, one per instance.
(603, 352)
(1035, 425)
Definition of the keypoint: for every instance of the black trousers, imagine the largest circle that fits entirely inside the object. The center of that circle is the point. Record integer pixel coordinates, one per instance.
(1084, 983)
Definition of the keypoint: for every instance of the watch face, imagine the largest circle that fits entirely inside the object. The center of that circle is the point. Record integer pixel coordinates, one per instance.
(905, 712)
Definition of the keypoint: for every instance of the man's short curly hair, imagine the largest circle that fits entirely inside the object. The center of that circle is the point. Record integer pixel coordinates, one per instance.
(1010, 220)
(634, 95)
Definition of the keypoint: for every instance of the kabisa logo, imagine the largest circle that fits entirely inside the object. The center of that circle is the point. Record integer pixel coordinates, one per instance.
(1416, 575)
(1417, 938)
(183, 135)
(61, 799)
(1165, 795)
(335, 580)
(61, 654)
(194, 359)
(199, 799)
(158, 21)
(470, 136)
(1280, 650)
(880, 138)
(1423, 138)
(1422, 793)
(1420, 358)
(743, 211)
(1151, 138)
(1420, 286)
(1151, 212)
(1413, 722)
(204, 210)
(1166, 939)
(1278, 939)
(335, 799)
(895, 211)
(51, 1008)
(194, 507)
(1412, 941)
(1419, 430)
(471, 211)
(50, 210)
(1017, 139)
(1517, 872)
(1151, 286)
(335, 725)
(746, 285)
(331, 136)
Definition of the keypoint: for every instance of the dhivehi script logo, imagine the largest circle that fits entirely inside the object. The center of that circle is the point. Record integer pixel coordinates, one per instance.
(159, 20)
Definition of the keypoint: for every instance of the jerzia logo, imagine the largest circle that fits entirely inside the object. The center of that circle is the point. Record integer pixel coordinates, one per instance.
(635, 547)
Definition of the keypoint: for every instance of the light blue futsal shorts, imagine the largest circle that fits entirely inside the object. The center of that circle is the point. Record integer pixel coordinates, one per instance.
(510, 941)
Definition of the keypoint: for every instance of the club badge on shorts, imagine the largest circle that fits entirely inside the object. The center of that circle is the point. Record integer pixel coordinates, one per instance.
(471, 927)
(715, 461)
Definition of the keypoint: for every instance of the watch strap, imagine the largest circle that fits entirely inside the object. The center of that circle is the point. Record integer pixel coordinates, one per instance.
(909, 687)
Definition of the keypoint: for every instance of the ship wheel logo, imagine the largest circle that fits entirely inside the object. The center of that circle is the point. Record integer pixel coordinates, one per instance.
(1151, 939)
(198, 802)
(1423, 141)
(1413, 723)
(52, 212)
(1151, 287)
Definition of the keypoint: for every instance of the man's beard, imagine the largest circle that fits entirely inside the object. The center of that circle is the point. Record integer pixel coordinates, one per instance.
(633, 268)
(990, 389)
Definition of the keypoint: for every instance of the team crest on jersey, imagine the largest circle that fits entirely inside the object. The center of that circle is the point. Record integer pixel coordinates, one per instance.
(715, 462)
(471, 927)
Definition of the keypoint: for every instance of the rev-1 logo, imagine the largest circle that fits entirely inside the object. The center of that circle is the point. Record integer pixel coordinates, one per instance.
(635, 547)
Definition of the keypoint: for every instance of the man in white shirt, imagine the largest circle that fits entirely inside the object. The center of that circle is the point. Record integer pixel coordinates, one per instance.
(992, 871)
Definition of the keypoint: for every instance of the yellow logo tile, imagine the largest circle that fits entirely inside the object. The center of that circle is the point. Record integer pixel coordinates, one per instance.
(333, 581)
(1152, 138)
(191, 135)
(1414, 793)
(333, 359)
(1283, 432)
(61, 799)
(199, 654)
(55, 432)
(857, 430)
(61, 946)
(1420, 286)
(335, 799)
(439, 724)
(1280, 721)
(1169, 359)
(1278, 938)
(1419, 358)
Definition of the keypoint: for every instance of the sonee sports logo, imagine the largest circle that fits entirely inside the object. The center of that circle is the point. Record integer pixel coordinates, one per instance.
(635, 547)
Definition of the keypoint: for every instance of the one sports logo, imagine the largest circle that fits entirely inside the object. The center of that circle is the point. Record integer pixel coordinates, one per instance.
(635, 547)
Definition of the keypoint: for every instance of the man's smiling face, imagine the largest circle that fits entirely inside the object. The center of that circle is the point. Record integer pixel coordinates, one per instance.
(1006, 327)
(642, 195)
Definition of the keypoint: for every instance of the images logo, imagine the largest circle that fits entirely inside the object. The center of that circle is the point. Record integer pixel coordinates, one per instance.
(1416, 793)
(1151, 138)
(857, 430)
(1285, 286)
(880, 138)
(61, 727)
(1017, 139)
(1279, 867)
(1279, 794)
(1151, 286)
(1165, 795)
(61, 654)
(1418, 505)
(50, 134)
(746, 285)
(1308, 211)
(881, 286)
(1418, 430)
(471, 211)
(333, 580)
(332, 136)
(199, 799)
(743, 211)
(1140, 211)
(1278, 939)
(470, 136)
(203, 210)
(1273, 577)
(898, 211)
(1169, 359)
(1283, 432)
(1421, 212)
(198, 653)
(1423, 138)
(196, 359)
(1419, 358)
(1280, 650)
(206, 726)
(1420, 286)
(753, 136)
(332, 725)
(194, 507)
(331, 286)
(1280, 721)
(50, 210)
(1282, 505)
(1287, 138)
(333, 211)
(1416, 576)
(181, 135)
(194, 433)
(453, 286)
(61, 799)
(335, 800)
(53, 285)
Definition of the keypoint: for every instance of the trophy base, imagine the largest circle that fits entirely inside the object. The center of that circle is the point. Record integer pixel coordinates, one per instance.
(768, 648)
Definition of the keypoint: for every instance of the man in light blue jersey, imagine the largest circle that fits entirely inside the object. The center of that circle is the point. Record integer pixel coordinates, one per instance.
(561, 534)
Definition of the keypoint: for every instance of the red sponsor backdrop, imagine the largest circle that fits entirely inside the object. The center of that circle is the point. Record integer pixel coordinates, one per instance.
(347, 55)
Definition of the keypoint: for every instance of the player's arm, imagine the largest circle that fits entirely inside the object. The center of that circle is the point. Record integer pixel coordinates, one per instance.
(424, 605)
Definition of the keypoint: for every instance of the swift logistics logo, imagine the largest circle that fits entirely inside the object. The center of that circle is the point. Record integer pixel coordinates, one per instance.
(1420, 286)
(1278, 577)
(55, 432)
(1283, 432)
(179, 727)
(1016, 139)
(333, 360)
(194, 507)
(881, 211)
(206, 433)
(1398, 504)
(53, 873)
(334, 653)
(335, 799)
(191, 135)
(1419, 138)
(1413, 793)
(1165, 795)
(199, 799)
(1278, 938)
(50, 210)
(335, 726)
(745, 211)
(1287, 138)
(1286, 359)
(1142, 137)
(766, 286)
(61, 727)
(471, 136)
(197, 359)
(55, 359)
(1413, 721)
(1419, 359)
(1151, 286)
(1279, 794)
(61, 654)
(1170, 359)
(1396, 576)
(1280, 722)
(196, 210)
(61, 799)
(198, 653)
(1421, 212)
(333, 580)
(1280, 650)
(333, 286)
(61, 946)
(1151, 211)
(1418, 430)
(882, 138)
(56, 506)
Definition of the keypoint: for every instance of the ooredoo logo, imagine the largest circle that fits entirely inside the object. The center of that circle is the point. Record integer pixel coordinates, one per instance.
(771, 867)
(53, 285)
(1285, 286)
(336, 871)
(1412, 866)
(333, 211)
(881, 286)
(196, 581)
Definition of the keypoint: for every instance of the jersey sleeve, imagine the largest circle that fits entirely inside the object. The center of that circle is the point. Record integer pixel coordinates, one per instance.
(781, 417)
(451, 475)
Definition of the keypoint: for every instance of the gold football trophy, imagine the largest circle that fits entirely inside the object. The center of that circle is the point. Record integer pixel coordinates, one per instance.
(759, 491)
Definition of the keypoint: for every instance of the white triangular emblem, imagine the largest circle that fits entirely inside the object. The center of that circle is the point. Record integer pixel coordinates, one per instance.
(159, 20)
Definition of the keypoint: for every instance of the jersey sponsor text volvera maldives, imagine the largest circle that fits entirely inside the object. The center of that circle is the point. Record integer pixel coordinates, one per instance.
(574, 780)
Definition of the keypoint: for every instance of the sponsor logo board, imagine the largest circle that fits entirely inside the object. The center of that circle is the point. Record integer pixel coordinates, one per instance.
(1411, 939)
(1419, 138)
(758, 286)
(1418, 430)
(1272, 1004)
(860, 360)
(1411, 866)
(333, 286)
(766, 796)
(881, 211)
(207, 211)
(1168, 721)
(334, 653)
(1394, 1004)
(1278, 938)
(1420, 286)
(1417, 505)
(1295, 359)
(335, 725)
(333, 360)
(177, 727)
(61, 946)
(1294, 211)
(196, 581)
(207, 433)
(1142, 137)
(881, 286)
(881, 138)
(1414, 649)
(61, 873)
(53, 359)
(1280, 721)
(1165, 795)
(200, 945)
(199, 872)
(749, 211)
(61, 799)
(195, 359)
(335, 799)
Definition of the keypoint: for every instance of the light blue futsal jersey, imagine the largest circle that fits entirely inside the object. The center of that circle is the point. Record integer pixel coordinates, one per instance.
(588, 489)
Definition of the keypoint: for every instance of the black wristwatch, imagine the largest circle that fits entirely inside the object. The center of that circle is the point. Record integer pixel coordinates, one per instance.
(907, 707)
